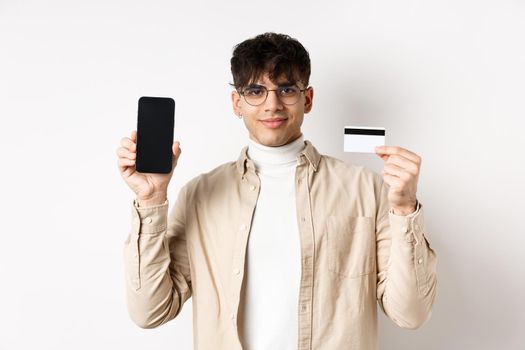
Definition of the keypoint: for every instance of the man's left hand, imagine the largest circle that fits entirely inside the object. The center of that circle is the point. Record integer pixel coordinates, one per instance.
(401, 173)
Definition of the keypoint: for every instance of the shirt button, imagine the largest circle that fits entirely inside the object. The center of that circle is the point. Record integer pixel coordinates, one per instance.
(404, 229)
(232, 316)
(303, 308)
(236, 271)
(299, 181)
(303, 219)
(419, 261)
(252, 187)
(409, 238)
(147, 220)
(243, 227)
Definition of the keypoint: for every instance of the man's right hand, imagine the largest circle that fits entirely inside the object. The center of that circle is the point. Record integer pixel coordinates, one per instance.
(151, 189)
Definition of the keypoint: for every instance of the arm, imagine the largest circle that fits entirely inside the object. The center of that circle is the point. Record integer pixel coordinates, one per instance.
(406, 265)
(156, 264)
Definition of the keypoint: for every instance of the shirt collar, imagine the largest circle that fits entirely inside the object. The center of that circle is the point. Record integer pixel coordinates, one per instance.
(309, 153)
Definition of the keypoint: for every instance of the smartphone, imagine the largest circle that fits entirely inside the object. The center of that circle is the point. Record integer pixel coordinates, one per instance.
(155, 123)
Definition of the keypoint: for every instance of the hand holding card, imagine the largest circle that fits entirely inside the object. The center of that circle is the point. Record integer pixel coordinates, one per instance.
(401, 173)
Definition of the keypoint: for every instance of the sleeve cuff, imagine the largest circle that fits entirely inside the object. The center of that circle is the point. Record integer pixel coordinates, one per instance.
(149, 220)
(410, 227)
(136, 204)
(418, 205)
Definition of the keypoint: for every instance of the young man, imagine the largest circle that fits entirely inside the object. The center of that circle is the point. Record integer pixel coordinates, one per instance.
(284, 248)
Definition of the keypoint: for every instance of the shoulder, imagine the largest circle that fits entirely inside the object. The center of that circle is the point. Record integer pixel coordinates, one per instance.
(337, 166)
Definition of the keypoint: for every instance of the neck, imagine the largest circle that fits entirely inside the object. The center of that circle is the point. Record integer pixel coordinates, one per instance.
(265, 157)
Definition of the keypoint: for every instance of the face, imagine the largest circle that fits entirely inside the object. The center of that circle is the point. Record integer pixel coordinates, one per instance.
(273, 123)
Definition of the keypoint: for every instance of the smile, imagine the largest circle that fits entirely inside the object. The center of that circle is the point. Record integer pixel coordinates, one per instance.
(273, 123)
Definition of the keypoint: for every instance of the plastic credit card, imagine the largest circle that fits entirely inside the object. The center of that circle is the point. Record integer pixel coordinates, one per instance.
(363, 139)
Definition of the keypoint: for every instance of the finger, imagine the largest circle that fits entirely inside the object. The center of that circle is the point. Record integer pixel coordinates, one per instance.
(400, 151)
(127, 171)
(403, 163)
(124, 162)
(128, 144)
(393, 181)
(134, 136)
(394, 170)
(125, 165)
(125, 153)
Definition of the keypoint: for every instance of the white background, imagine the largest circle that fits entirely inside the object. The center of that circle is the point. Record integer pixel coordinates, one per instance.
(446, 78)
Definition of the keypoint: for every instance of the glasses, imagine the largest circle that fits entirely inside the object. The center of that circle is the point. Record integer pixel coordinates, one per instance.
(256, 95)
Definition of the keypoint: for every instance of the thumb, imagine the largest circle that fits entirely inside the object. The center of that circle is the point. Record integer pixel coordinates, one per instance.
(176, 149)
(382, 156)
(176, 152)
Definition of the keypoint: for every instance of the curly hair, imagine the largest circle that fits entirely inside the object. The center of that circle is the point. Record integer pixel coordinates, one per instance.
(277, 54)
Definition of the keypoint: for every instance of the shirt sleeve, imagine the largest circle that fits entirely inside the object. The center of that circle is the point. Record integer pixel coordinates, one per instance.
(156, 264)
(406, 281)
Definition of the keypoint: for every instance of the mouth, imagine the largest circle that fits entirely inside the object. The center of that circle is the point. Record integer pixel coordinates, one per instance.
(274, 123)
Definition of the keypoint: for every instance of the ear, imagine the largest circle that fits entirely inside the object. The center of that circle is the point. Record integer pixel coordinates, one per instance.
(308, 99)
(236, 102)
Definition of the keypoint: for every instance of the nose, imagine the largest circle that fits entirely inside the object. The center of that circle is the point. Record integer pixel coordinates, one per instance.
(273, 102)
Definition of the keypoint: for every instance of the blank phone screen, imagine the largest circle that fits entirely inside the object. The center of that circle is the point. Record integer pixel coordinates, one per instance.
(156, 118)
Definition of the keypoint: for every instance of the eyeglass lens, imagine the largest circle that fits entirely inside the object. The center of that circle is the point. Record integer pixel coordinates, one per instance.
(257, 94)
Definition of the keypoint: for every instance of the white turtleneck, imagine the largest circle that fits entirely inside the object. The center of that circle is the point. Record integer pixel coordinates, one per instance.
(273, 260)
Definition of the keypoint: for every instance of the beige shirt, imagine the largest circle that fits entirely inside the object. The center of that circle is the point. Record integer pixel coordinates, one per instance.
(355, 254)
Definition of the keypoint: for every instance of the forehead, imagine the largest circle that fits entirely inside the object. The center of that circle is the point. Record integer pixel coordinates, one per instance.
(264, 79)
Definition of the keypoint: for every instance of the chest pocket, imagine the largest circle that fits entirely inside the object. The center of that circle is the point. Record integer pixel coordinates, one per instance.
(351, 245)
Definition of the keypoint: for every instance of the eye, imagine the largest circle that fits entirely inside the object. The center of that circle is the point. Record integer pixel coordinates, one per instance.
(288, 90)
(253, 91)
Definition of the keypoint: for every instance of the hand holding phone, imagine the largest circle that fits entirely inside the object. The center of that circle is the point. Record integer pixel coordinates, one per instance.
(150, 188)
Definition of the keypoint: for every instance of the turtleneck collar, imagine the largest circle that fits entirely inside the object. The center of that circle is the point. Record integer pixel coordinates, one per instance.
(265, 157)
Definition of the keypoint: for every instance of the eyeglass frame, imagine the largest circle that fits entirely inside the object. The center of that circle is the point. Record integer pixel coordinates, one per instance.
(240, 92)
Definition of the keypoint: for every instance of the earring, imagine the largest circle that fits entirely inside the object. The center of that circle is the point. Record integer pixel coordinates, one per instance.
(240, 115)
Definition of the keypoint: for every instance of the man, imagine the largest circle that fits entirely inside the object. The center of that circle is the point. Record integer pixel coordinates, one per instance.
(284, 248)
